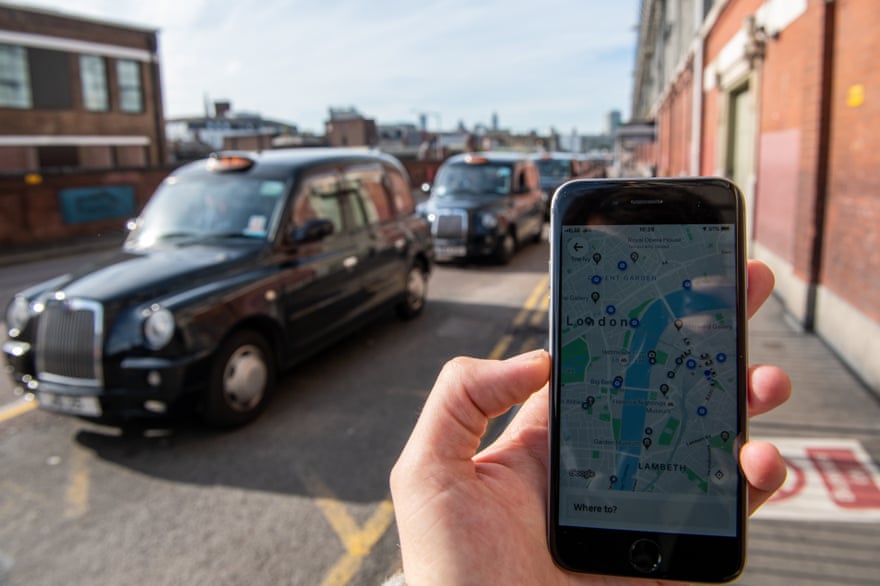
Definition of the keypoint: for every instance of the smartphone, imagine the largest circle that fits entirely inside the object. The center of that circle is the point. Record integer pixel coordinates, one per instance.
(648, 406)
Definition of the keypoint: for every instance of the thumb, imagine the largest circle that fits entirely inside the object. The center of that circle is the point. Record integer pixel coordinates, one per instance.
(467, 393)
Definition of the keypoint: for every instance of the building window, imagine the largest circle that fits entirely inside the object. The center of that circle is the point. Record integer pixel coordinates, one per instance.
(15, 85)
(50, 79)
(93, 78)
(58, 157)
(128, 77)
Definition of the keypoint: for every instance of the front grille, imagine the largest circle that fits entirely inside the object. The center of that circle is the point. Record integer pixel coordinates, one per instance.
(68, 346)
(451, 225)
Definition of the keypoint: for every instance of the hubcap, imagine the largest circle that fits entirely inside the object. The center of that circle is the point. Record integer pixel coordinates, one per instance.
(244, 378)
(509, 245)
(415, 288)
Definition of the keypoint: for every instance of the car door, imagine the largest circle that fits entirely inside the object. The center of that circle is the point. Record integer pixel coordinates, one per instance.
(320, 281)
(528, 202)
(381, 239)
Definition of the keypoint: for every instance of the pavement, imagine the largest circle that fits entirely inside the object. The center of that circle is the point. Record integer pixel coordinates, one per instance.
(824, 525)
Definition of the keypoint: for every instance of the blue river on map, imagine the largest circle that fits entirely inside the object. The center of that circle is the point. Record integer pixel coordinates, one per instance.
(652, 325)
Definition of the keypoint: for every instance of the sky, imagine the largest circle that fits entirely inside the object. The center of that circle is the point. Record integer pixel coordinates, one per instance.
(561, 64)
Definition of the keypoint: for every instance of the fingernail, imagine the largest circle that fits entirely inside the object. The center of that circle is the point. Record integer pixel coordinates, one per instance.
(530, 356)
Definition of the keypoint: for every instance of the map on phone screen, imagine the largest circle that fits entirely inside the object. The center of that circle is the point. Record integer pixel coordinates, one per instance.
(648, 373)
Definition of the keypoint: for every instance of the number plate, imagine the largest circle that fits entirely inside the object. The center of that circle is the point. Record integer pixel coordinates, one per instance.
(450, 251)
(72, 404)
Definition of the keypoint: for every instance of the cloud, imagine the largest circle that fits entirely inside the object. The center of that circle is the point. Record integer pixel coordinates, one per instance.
(563, 63)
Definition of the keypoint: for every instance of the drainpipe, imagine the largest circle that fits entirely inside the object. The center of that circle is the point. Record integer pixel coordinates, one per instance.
(697, 99)
(158, 115)
(822, 163)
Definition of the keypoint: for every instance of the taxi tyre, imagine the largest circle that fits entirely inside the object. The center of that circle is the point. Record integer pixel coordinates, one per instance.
(416, 292)
(241, 378)
(506, 248)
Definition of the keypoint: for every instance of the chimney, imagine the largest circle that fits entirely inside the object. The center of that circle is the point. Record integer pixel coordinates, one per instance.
(222, 108)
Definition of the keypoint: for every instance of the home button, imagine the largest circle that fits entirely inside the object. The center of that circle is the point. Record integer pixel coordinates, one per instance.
(644, 555)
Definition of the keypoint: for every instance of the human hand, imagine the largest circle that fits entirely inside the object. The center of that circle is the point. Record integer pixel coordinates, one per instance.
(480, 518)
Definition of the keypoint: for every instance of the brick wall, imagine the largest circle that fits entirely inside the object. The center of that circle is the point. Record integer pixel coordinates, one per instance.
(674, 127)
(788, 135)
(729, 22)
(817, 189)
(851, 259)
(76, 120)
(30, 215)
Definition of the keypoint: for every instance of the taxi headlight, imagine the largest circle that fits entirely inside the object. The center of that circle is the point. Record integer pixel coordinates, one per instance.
(489, 220)
(159, 328)
(18, 313)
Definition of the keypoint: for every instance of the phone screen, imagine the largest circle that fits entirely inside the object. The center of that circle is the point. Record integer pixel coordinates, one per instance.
(648, 402)
(648, 377)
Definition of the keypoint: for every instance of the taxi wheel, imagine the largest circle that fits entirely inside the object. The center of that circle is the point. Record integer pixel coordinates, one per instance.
(539, 235)
(242, 375)
(416, 292)
(506, 248)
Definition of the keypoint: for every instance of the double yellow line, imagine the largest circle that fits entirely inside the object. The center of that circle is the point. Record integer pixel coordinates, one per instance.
(534, 312)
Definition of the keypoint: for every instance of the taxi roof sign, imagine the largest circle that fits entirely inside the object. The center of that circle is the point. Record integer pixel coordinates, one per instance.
(222, 162)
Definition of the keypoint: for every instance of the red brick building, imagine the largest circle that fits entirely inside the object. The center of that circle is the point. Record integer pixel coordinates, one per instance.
(348, 128)
(782, 97)
(77, 93)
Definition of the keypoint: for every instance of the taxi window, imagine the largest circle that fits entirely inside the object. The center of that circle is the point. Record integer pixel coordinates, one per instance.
(210, 206)
(531, 177)
(318, 198)
(366, 183)
(400, 192)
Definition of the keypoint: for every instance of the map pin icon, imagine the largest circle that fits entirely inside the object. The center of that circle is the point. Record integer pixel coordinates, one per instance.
(646, 442)
(725, 436)
(597, 257)
(590, 401)
(678, 323)
(634, 256)
(595, 296)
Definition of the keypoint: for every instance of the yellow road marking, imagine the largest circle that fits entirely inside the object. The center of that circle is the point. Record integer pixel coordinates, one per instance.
(357, 540)
(539, 317)
(501, 347)
(76, 498)
(532, 301)
(17, 408)
(359, 544)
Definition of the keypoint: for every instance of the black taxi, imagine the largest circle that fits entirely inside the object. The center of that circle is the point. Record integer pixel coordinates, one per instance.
(485, 204)
(239, 266)
(555, 169)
